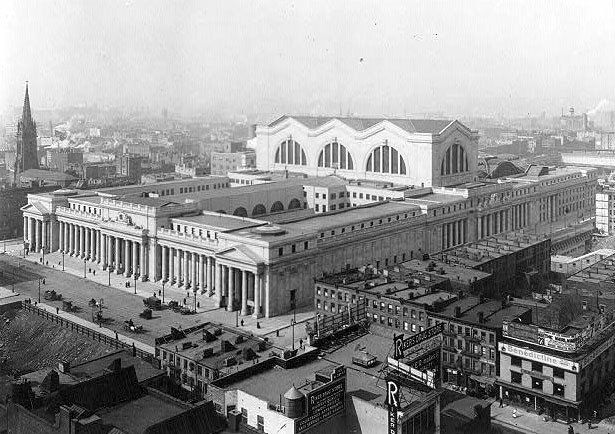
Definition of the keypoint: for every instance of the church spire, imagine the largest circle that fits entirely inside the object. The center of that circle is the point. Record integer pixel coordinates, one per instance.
(26, 115)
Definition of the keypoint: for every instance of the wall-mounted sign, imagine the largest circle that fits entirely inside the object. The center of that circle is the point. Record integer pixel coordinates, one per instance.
(323, 403)
(547, 359)
(393, 403)
(400, 344)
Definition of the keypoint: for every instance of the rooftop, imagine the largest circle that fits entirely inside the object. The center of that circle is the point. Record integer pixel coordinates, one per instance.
(454, 272)
(271, 383)
(219, 221)
(429, 126)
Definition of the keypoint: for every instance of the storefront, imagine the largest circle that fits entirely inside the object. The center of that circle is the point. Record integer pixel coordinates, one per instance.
(540, 403)
(483, 384)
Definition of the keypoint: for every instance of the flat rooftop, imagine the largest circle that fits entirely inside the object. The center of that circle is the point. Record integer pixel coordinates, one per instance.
(270, 384)
(134, 417)
(97, 367)
(454, 272)
(219, 221)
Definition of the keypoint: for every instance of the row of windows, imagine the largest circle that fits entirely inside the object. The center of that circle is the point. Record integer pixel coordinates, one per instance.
(477, 366)
(293, 248)
(371, 224)
(537, 383)
(194, 231)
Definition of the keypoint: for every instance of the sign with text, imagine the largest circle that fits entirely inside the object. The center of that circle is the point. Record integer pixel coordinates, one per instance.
(547, 359)
(426, 377)
(323, 403)
(400, 344)
(392, 403)
(429, 362)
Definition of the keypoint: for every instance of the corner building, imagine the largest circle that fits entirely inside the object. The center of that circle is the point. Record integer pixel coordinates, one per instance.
(257, 248)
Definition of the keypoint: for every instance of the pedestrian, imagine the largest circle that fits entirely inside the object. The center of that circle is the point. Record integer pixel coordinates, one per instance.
(242, 322)
(154, 294)
(198, 304)
(57, 310)
(184, 301)
(94, 272)
(116, 336)
(258, 325)
(501, 402)
(570, 429)
(301, 343)
(159, 293)
(514, 413)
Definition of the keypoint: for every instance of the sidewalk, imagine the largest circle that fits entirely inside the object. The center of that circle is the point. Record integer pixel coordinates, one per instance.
(268, 326)
(535, 424)
(94, 327)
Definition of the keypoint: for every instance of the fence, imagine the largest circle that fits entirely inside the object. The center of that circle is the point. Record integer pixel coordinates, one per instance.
(91, 333)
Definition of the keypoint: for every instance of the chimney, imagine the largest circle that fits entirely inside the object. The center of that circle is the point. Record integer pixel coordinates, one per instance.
(457, 311)
(481, 317)
(64, 367)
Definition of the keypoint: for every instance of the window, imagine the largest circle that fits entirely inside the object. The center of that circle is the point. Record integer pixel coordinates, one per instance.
(558, 372)
(558, 389)
(386, 159)
(280, 251)
(536, 367)
(305, 245)
(244, 416)
(335, 155)
(515, 361)
(290, 152)
(515, 377)
(413, 328)
(536, 383)
(260, 423)
(405, 326)
(293, 249)
(413, 314)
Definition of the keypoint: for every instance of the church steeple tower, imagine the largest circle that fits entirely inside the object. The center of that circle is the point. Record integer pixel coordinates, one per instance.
(27, 154)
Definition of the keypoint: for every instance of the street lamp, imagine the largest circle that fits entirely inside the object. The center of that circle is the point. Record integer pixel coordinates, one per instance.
(39, 289)
(163, 291)
(135, 276)
(85, 261)
(292, 323)
(62, 260)
(109, 269)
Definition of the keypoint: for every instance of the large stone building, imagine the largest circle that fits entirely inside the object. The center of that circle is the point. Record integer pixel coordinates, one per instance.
(377, 191)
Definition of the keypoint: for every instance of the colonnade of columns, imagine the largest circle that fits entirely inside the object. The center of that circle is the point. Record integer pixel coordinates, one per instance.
(37, 233)
(233, 287)
(454, 233)
(117, 253)
(516, 217)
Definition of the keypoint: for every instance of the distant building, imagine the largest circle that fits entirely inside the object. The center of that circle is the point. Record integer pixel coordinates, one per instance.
(190, 170)
(605, 141)
(64, 159)
(129, 166)
(99, 170)
(11, 201)
(27, 148)
(140, 148)
(224, 162)
(573, 123)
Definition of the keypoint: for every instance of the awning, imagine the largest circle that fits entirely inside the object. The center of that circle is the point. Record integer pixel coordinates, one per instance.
(484, 379)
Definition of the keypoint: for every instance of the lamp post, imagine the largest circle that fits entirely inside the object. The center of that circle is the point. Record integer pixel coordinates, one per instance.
(163, 291)
(109, 270)
(135, 276)
(62, 260)
(85, 261)
(292, 323)
(39, 289)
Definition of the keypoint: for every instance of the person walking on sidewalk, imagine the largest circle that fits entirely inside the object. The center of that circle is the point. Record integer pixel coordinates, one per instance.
(501, 402)
(570, 429)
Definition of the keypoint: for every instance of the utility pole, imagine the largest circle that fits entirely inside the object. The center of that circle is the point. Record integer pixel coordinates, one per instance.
(163, 291)
(39, 289)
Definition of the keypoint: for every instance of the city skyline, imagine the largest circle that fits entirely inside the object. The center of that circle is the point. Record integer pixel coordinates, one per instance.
(316, 58)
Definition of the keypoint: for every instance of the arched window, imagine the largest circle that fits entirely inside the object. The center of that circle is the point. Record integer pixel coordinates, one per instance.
(455, 160)
(259, 209)
(290, 152)
(241, 212)
(335, 155)
(386, 159)
(294, 204)
(277, 207)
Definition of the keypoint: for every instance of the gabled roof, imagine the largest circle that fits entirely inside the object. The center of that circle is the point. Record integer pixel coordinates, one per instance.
(36, 208)
(198, 420)
(429, 126)
(239, 253)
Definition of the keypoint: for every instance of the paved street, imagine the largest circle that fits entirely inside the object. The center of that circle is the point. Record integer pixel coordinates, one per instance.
(534, 423)
(121, 303)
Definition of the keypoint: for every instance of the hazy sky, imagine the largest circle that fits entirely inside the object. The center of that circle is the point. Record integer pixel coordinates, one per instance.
(312, 56)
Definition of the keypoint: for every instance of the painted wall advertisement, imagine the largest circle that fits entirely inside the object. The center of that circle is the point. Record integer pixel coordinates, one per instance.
(324, 403)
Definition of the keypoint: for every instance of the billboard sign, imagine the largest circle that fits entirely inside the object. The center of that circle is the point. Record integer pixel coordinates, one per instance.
(323, 403)
(400, 344)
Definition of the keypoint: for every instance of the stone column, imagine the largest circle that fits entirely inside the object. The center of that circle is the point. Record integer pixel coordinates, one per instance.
(66, 237)
(195, 266)
(231, 289)
(103, 251)
(81, 242)
(110, 262)
(244, 292)
(218, 285)
(37, 239)
(165, 257)
(143, 263)
(202, 284)
(135, 258)
(210, 289)
(25, 229)
(87, 243)
(171, 265)
(257, 296)
(186, 269)
(127, 258)
(118, 262)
